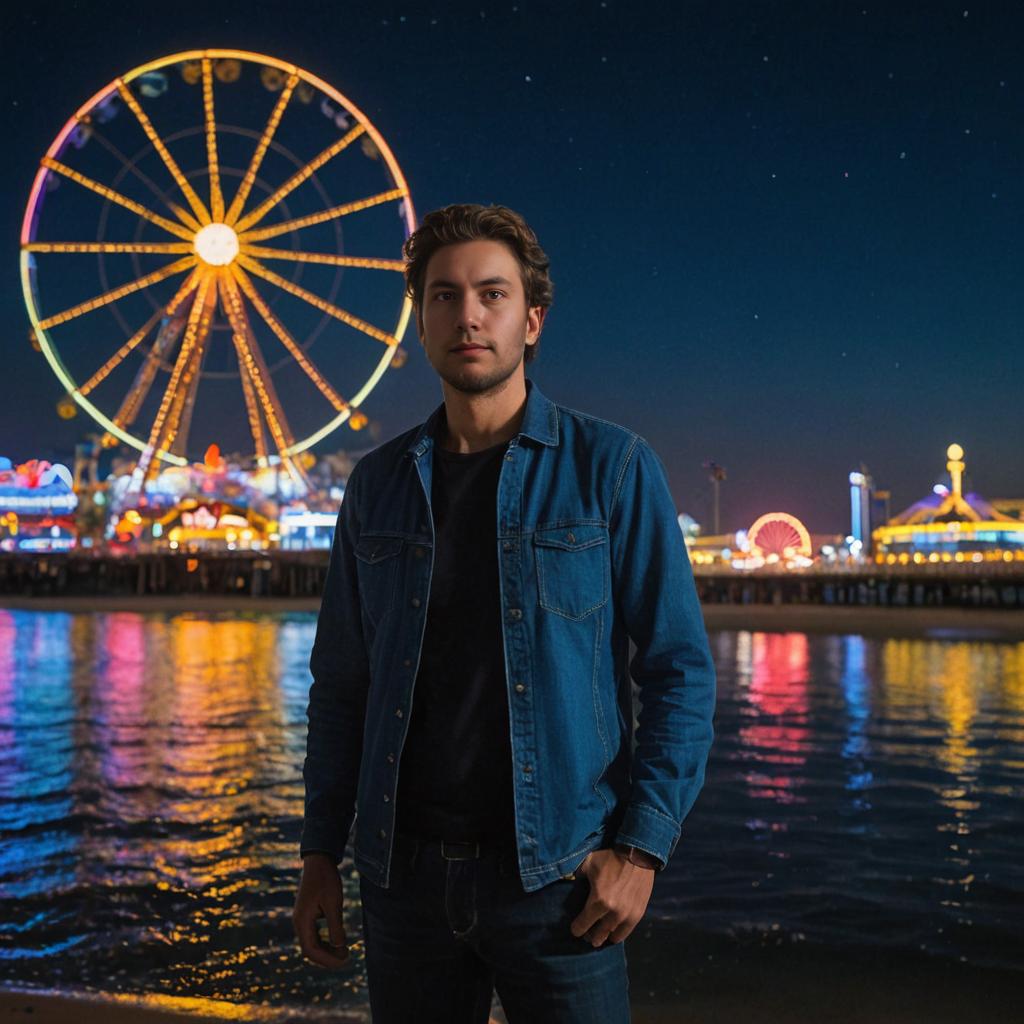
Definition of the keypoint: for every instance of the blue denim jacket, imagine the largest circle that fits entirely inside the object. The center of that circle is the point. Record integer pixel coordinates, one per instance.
(590, 555)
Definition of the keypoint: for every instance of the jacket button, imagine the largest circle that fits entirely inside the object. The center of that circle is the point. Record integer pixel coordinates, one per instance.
(407, 662)
(520, 688)
(398, 712)
(382, 834)
(415, 602)
(387, 799)
(527, 768)
(506, 545)
(417, 551)
(515, 613)
(508, 456)
(571, 537)
(391, 758)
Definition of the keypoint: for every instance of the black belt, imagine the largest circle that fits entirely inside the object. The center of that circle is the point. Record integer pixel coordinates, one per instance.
(456, 851)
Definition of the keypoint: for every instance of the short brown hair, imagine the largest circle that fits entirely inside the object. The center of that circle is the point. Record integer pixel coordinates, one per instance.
(470, 222)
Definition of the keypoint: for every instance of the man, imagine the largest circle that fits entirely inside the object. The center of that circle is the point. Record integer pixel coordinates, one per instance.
(497, 560)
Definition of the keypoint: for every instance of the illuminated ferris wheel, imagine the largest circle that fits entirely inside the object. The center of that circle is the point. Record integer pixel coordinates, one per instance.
(778, 535)
(148, 242)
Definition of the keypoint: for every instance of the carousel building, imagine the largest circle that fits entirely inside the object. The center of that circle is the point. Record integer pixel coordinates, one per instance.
(950, 526)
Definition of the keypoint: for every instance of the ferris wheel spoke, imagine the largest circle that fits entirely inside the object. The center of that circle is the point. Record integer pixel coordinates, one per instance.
(183, 215)
(254, 365)
(287, 340)
(269, 253)
(252, 408)
(178, 267)
(196, 330)
(166, 338)
(299, 177)
(180, 415)
(132, 343)
(261, 149)
(324, 215)
(216, 196)
(245, 360)
(169, 162)
(160, 248)
(314, 300)
(104, 371)
(179, 419)
(115, 197)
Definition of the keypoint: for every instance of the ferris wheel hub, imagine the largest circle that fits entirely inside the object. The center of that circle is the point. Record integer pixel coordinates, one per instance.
(216, 244)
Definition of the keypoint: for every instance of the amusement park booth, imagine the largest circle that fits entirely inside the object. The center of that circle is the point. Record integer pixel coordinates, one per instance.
(198, 525)
(37, 507)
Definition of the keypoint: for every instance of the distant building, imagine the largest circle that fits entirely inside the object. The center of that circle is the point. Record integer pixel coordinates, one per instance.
(949, 526)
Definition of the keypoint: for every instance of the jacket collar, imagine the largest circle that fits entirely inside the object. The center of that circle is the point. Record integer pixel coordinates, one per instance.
(540, 422)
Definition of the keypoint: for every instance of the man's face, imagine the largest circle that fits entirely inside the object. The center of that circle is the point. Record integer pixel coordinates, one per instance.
(474, 324)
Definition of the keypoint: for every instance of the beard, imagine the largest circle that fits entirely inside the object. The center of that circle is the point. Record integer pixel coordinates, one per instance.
(471, 381)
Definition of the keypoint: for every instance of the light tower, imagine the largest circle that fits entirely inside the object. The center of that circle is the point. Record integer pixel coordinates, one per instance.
(716, 474)
(955, 465)
(861, 485)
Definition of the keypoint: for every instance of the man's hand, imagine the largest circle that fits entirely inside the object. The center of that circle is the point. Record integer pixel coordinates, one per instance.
(619, 893)
(320, 895)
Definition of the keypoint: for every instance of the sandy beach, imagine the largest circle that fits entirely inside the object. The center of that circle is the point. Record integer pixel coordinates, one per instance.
(783, 985)
(931, 623)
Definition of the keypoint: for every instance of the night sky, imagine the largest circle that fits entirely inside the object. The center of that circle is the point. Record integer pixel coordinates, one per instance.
(785, 236)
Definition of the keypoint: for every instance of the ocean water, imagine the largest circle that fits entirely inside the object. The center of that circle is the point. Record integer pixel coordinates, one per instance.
(861, 794)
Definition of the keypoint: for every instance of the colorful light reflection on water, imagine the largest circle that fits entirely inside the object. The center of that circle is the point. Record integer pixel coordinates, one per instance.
(861, 791)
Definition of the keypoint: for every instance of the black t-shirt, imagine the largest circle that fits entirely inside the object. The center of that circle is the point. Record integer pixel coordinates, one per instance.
(455, 773)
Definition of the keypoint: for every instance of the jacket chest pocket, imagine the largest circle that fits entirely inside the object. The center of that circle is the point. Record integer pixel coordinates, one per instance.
(377, 567)
(572, 568)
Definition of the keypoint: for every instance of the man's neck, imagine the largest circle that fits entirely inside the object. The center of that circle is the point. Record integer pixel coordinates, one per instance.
(475, 422)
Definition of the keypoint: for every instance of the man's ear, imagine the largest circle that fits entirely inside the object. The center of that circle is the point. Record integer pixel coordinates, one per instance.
(535, 322)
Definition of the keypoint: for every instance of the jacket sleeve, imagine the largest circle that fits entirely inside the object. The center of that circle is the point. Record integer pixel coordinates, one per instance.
(336, 712)
(656, 596)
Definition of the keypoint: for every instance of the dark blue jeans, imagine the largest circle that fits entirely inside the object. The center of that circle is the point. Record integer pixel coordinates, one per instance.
(449, 931)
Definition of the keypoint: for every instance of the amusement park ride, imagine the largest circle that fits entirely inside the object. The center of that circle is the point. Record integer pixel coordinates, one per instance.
(185, 171)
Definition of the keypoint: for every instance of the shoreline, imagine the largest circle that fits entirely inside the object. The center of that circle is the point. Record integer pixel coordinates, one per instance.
(48, 1007)
(933, 623)
(711, 985)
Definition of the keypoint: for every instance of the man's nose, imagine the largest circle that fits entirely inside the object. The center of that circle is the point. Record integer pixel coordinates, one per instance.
(469, 314)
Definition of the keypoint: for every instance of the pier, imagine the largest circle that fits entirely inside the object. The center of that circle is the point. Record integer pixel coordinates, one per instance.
(301, 574)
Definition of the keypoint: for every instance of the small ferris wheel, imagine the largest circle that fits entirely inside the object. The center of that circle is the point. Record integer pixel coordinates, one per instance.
(183, 248)
(779, 535)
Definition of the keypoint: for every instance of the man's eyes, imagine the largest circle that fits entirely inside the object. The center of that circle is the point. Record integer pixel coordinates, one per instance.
(491, 292)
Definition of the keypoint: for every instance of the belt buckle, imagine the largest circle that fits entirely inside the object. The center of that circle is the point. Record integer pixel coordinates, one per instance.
(459, 851)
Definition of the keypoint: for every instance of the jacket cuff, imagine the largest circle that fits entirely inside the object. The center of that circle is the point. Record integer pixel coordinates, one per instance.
(320, 837)
(649, 830)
